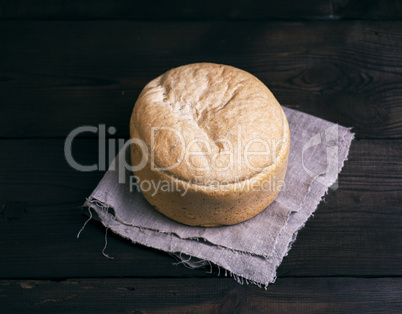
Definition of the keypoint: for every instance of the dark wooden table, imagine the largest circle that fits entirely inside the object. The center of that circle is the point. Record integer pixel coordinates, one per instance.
(66, 64)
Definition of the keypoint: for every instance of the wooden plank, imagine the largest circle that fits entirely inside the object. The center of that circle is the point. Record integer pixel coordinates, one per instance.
(56, 76)
(40, 216)
(221, 295)
(355, 232)
(371, 9)
(179, 10)
(353, 226)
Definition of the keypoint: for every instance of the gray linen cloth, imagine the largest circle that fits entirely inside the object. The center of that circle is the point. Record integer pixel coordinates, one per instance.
(251, 251)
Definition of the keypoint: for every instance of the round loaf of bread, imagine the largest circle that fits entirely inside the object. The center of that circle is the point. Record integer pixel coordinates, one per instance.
(209, 144)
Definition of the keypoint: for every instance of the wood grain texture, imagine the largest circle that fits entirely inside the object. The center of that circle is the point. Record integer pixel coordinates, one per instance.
(222, 10)
(40, 239)
(221, 295)
(355, 232)
(62, 75)
(65, 64)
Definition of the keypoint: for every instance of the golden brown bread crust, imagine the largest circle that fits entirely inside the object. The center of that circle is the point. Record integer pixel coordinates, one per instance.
(222, 139)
